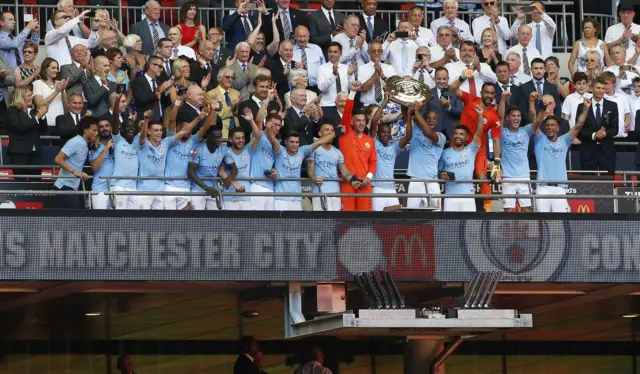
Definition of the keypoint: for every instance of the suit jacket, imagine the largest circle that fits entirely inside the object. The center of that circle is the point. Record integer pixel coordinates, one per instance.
(244, 365)
(77, 76)
(24, 132)
(525, 91)
(66, 126)
(234, 30)
(249, 103)
(5, 83)
(296, 17)
(186, 114)
(226, 114)
(142, 30)
(145, 98)
(330, 115)
(515, 98)
(224, 54)
(320, 29)
(98, 96)
(302, 125)
(244, 80)
(198, 72)
(608, 120)
(379, 26)
(447, 119)
(277, 75)
(98, 52)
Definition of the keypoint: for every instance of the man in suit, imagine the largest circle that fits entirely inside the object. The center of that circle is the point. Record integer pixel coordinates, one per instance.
(239, 24)
(220, 53)
(323, 20)
(78, 71)
(301, 118)
(109, 40)
(539, 84)
(97, 89)
(445, 104)
(260, 91)
(288, 20)
(228, 99)
(333, 114)
(598, 151)
(249, 360)
(146, 90)
(203, 64)
(7, 79)
(150, 30)
(193, 103)
(375, 26)
(280, 66)
(504, 84)
(244, 69)
(67, 124)
(164, 50)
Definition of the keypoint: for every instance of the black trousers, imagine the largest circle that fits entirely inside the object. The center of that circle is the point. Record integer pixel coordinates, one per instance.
(25, 159)
(597, 158)
(68, 201)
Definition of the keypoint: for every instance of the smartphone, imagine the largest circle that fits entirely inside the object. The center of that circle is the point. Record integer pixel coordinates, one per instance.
(526, 8)
(28, 17)
(219, 107)
(402, 34)
(625, 68)
(120, 88)
(182, 91)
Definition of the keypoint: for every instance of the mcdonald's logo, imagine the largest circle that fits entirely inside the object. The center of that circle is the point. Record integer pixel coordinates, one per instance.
(584, 209)
(582, 206)
(409, 251)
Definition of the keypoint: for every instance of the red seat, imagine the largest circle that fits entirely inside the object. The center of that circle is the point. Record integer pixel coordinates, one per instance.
(5, 174)
(617, 177)
(5, 142)
(48, 172)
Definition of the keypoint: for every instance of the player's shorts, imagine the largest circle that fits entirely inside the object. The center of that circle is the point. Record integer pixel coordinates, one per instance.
(422, 203)
(146, 202)
(295, 205)
(261, 202)
(175, 202)
(125, 201)
(379, 203)
(100, 201)
(334, 204)
(481, 162)
(203, 203)
(552, 205)
(237, 205)
(459, 205)
(515, 189)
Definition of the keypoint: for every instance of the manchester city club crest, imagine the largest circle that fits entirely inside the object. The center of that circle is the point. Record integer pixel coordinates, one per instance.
(161, 150)
(194, 153)
(523, 250)
(244, 158)
(298, 158)
(520, 136)
(367, 145)
(336, 157)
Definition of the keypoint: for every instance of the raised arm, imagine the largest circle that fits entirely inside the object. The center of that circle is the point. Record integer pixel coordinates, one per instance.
(477, 138)
(375, 120)
(327, 139)
(115, 117)
(408, 124)
(275, 144)
(212, 118)
(144, 124)
(426, 129)
(257, 133)
(581, 118)
(96, 164)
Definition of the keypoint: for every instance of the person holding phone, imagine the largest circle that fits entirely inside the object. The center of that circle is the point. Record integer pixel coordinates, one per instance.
(625, 73)
(323, 20)
(460, 30)
(626, 33)
(11, 48)
(543, 26)
(492, 20)
(400, 49)
(59, 42)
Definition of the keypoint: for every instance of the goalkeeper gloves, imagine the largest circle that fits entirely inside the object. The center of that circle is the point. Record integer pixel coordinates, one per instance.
(495, 172)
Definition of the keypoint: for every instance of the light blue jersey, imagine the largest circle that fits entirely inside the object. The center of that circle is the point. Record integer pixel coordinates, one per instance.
(178, 161)
(515, 148)
(386, 164)
(262, 160)
(106, 169)
(126, 161)
(208, 163)
(243, 163)
(326, 167)
(289, 166)
(424, 155)
(152, 161)
(461, 164)
(551, 157)
(76, 150)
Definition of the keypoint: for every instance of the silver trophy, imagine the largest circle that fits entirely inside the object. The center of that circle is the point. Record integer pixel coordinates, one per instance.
(407, 91)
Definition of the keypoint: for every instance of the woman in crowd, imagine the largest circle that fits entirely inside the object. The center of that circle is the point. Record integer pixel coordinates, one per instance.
(299, 78)
(48, 91)
(192, 31)
(27, 72)
(134, 60)
(116, 74)
(257, 41)
(487, 53)
(589, 42)
(553, 76)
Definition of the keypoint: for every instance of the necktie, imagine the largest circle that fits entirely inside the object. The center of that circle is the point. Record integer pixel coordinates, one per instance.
(301, 114)
(245, 26)
(304, 58)
(625, 43)
(353, 59)
(512, 79)
(167, 67)
(370, 27)
(286, 25)
(525, 62)
(456, 42)
(539, 87)
(156, 37)
(155, 88)
(77, 119)
(378, 91)
(66, 39)
(208, 67)
(338, 83)
(538, 39)
(405, 58)
(598, 115)
(331, 21)
(16, 52)
(227, 100)
(244, 67)
(175, 53)
(472, 85)
(421, 75)
(216, 56)
(417, 30)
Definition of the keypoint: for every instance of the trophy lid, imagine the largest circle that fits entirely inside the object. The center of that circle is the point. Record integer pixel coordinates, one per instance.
(407, 91)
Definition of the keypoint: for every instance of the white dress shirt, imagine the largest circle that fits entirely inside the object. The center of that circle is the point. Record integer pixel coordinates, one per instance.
(483, 76)
(426, 36)
(362, 57)
(634, 102)
(547, 32)
(463, 28)
(183, 50)
(627, 82)
(365, 72)
(615, 32)
(624, 108)
(519, 79)
(402, 62)
(570, 106)
(437, 52)
(428, 78)
(75, 30)
(315, 58)
(502, 31)
(327, 82)
(532, 53)
(57, 46)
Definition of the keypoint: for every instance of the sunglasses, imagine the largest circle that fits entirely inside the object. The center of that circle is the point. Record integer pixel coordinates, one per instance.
(490, 3)
(63, 17)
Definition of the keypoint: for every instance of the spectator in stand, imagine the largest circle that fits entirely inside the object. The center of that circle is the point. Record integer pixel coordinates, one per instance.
(165, 52)
(179, 50)
(24, 125)
(626, 33)
(122, 106)
(401, 52)
(203, 65)
(260, 51)
(116, 74)
(150, 29)
(478, 73)
(239, 24)
(552, 67)
(78, 71)
(354, 45)
(358, 148)
(102, 163)
(6, 80)
(260, 97)
(220, 54)
(623, 102)
(309, 55)
(589, 42)
(102, 22)
(244, 70)
(487, 53)
(625, 73)
(571, 102)
(504, 85)
(333, 77)
(541, 86)
(492, 20)
(68, 124)
(146, 91)
(375, 27)
(459, 29)
(373, 76)
(387, 151)
(516, 77)
(542, 26)
(416, 18)
(299, 79)
(58, 40)
(98, 88)
(80, 30)
(526, 52)
(229, 99)
(443, 52)
(134, 59)
(192, 31)
(333, 114)
(47, 91)
(281, 66)
(302, 117)
(422, 69)
(194, 103)
(551, 152)
(28, 71)
(289, 19)
(71, 159)
(323, 20)
(447, 106)
(182, 75)
(107, 40)
(11, 47)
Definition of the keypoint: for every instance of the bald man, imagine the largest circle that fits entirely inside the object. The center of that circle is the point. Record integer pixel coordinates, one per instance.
(175, 35)
(97, 88)
(308, 54)
(193, 104)
(281, 65)
(77, 71)
(244, 69)
(204, 64)
(109, 40)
